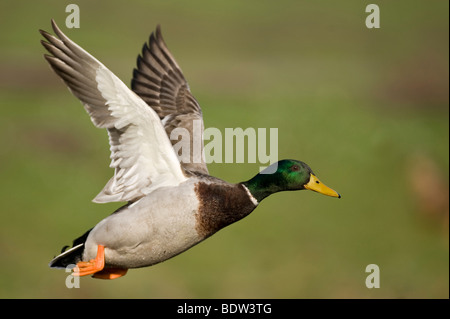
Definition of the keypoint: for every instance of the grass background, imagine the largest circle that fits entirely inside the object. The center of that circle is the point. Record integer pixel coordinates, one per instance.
(367, 109)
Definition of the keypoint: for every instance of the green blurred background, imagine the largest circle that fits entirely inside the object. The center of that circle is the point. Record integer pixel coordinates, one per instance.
(366, 108)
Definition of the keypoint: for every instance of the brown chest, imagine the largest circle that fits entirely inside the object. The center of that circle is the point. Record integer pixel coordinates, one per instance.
(220, 206)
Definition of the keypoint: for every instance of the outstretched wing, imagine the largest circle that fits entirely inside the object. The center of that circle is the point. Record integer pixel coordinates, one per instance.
(158, 80)
(141, 153)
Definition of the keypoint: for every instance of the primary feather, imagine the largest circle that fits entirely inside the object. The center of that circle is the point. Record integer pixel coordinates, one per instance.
(159, 81)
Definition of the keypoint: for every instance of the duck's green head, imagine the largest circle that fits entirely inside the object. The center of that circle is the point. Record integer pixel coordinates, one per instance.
(286, 175)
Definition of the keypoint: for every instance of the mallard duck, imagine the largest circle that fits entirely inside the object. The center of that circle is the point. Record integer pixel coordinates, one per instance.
(171, 205)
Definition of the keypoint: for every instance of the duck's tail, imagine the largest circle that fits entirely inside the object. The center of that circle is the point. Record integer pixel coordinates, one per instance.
(72, 255)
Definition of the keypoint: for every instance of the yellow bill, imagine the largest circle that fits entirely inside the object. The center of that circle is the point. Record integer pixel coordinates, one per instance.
(315, 185)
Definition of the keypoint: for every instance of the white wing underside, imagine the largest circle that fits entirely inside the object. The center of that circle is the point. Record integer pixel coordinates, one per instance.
(141, 152)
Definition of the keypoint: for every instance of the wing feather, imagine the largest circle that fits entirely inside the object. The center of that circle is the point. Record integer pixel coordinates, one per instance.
(159, 81)
(141, 153)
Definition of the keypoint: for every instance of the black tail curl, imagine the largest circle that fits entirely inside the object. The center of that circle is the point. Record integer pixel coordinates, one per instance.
(70, 256)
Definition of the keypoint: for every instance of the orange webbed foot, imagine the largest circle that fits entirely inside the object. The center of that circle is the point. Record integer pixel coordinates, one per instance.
(110, 273)
(93, 266)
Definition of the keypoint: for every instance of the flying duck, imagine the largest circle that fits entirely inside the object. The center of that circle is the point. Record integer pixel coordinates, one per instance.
(171, 205)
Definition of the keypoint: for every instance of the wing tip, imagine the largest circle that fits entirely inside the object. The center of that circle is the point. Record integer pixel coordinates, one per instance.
(55, 26)
(158, 34)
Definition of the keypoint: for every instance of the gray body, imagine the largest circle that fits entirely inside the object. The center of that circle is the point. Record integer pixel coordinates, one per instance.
(155, 228)
(168, 221)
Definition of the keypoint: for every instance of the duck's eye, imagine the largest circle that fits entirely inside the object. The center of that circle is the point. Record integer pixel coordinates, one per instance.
(295, 168)
(317, 182)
